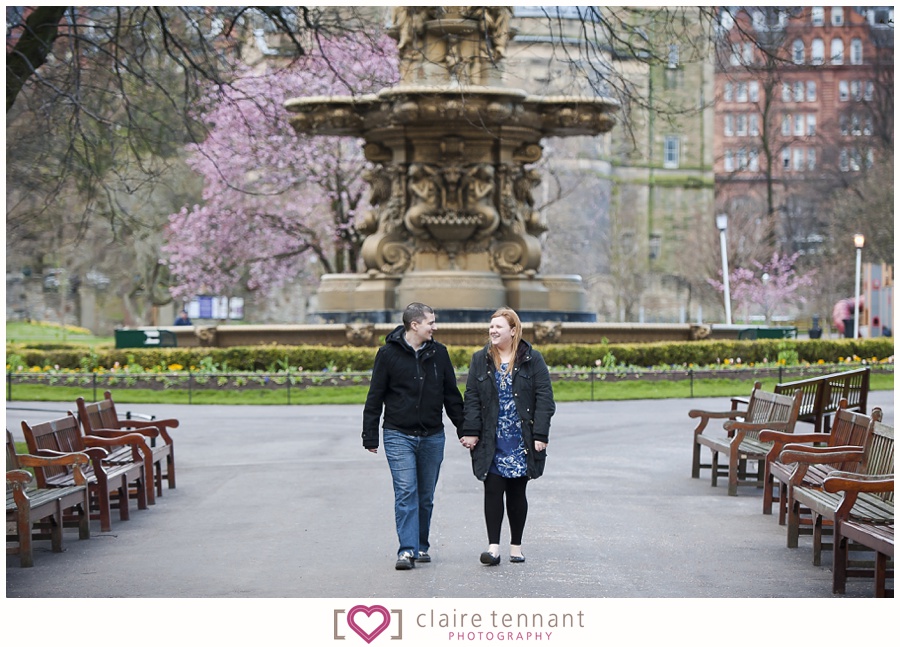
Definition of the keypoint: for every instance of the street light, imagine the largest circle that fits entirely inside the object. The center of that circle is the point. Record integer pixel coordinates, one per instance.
(722, 224)
(859, 240)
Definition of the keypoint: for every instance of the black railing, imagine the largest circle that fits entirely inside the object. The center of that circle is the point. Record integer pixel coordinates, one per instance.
(288, 380)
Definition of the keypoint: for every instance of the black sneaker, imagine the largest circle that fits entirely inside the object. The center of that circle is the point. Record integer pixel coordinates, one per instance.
(405, 562)
(423, 557)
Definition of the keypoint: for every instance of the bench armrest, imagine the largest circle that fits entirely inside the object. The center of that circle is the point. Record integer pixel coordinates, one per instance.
(706, 416)
(60, 459)
(135, 440)
(149, 432)
(18, 478)
(780, 439)
(821, 455)
(161, 426)
(839, 481)
(737, 425)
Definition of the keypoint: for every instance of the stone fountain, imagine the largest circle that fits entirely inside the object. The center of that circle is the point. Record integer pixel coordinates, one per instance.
(452, 222)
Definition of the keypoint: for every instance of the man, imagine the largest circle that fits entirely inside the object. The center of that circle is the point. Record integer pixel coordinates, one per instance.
(183, 319)
(413, 382)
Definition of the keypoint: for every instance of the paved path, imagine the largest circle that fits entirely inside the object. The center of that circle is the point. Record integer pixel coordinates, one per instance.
(282, 501)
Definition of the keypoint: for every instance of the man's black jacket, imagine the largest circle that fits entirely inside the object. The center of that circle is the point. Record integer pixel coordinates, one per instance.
(413, 390)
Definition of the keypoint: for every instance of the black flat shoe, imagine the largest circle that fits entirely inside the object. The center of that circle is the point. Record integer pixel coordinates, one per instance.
(516, 559)
(489, 559)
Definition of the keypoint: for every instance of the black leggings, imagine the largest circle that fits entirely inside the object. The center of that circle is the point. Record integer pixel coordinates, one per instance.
(495, 486)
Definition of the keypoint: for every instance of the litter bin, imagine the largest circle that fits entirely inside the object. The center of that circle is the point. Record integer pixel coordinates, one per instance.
(848, 328)
(145, 339)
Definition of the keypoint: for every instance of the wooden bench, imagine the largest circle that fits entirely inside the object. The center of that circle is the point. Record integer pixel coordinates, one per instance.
(101, 419)
(874, 536)
(107, 482)
(875, 457)
(849, 429)
(42, 513)
(741, 441)
(822, 395)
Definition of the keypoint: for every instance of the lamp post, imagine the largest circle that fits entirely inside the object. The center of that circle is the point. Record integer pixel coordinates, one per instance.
(722, 224)
(859, 240)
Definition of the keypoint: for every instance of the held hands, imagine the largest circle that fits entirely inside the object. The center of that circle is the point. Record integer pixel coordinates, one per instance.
(469, 442)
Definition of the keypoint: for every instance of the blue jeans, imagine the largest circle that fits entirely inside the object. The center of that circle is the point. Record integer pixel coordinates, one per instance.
(415, 463)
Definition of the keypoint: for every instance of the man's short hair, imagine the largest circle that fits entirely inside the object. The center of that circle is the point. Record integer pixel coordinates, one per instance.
(415, 312)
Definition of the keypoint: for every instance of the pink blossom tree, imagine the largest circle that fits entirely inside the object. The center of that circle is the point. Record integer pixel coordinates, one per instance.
(275, 203)
(769, 286)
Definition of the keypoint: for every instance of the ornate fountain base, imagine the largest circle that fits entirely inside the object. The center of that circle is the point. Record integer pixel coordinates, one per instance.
(458, 297)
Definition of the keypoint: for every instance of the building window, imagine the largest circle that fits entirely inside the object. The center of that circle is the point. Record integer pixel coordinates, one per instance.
(870, 90)
(798, 90)
(735, 58)
(754, 125)
(870, 158)
(818, 16)
(748, 57)
(855, 160)
(798, 125)
(742, 124)
(673, 56)
(786, 159)
(867, 126)
(837, 51)
(728, 95)
(754, 159)
(844, 90)
(845, 129)
(856, 51)
(798, 52)
(844, 160)
(811, 159)
(854, 125)
(856, 90)
(759, 20)
(729, 125)
(742, 159)
(785, 92)
(671, 152)
(798, 159)
(742, 92)
(786, 125)
(810, 90)
(810, 125)
(837, 16)
(729, 161)
(753, 91)
(818, 51)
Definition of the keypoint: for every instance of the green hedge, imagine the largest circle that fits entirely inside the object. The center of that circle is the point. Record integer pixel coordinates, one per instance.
(317, 358)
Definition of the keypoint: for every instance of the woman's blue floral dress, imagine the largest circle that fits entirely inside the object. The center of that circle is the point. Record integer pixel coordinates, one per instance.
(509, 457)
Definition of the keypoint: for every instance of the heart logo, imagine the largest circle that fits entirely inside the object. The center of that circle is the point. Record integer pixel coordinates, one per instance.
(368, 636)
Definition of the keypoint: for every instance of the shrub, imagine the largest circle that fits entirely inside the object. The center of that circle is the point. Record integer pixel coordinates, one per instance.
(318, 358)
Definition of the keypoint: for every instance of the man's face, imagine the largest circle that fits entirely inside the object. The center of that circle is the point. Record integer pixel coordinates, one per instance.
(424, 330)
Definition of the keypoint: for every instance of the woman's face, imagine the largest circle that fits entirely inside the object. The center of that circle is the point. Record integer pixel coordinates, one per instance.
(500, 333)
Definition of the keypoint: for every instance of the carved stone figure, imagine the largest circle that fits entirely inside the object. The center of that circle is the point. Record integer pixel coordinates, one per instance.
(547, 332)
(360, 334)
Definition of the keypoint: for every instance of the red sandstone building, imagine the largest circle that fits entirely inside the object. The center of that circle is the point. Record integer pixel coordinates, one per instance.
(804, 97)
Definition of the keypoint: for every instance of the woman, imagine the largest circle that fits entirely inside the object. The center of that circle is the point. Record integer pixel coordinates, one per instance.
(508, 405)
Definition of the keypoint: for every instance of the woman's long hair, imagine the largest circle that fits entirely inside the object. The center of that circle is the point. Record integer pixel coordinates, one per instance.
(516, 325)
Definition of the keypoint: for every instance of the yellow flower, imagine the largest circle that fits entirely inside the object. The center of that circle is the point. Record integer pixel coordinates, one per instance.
(175, 367)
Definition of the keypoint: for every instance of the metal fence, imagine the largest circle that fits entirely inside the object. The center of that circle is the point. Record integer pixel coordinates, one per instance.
(289, 381)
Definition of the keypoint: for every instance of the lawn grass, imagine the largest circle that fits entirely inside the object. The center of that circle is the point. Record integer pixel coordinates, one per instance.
(22, 332)
(569, 391)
